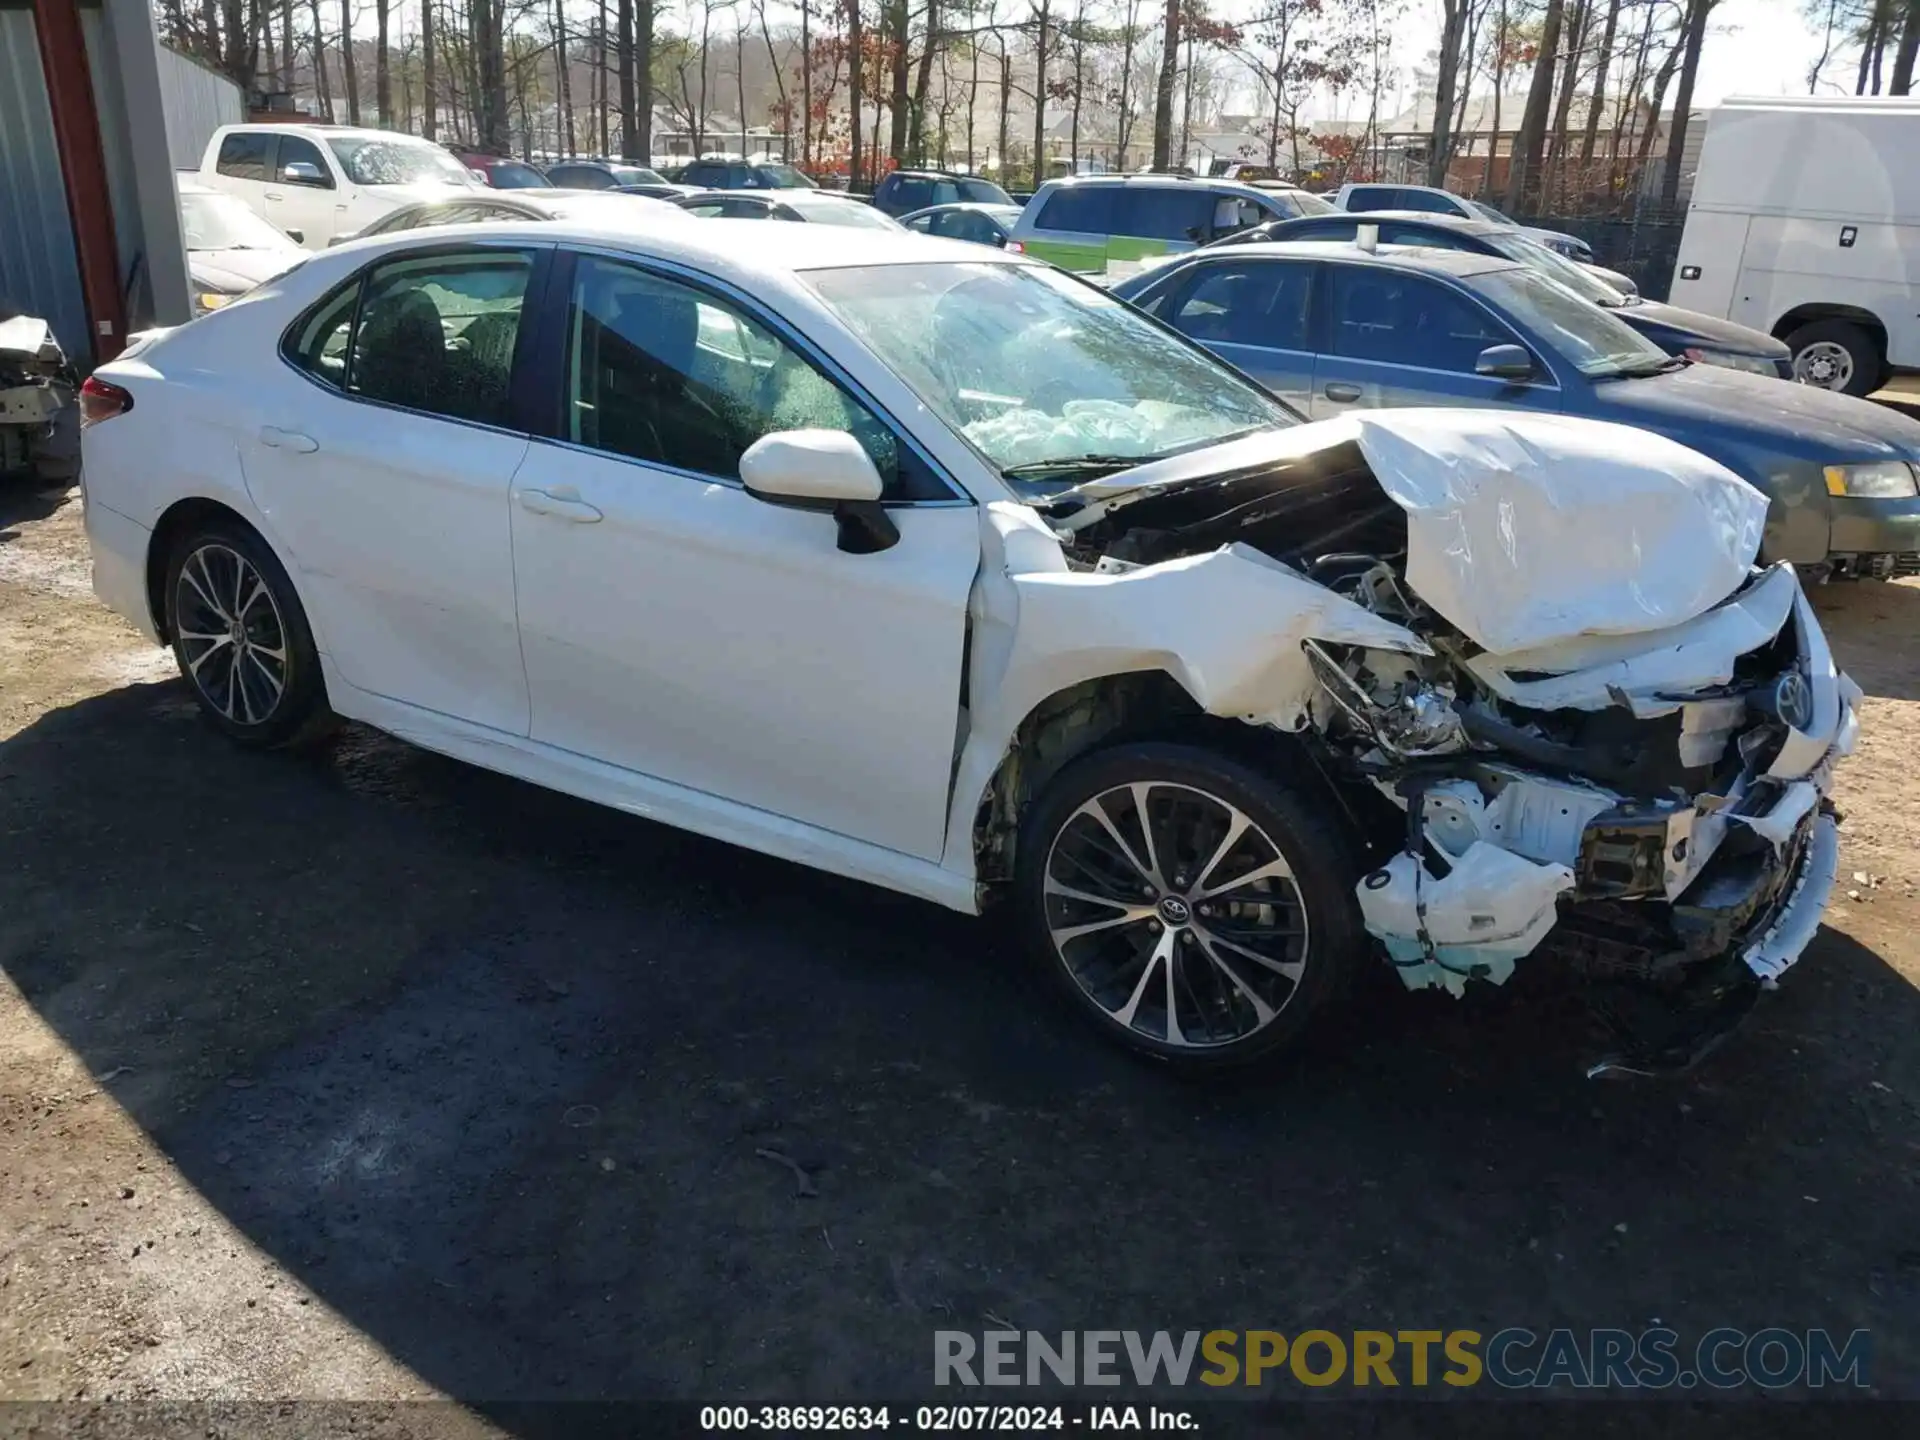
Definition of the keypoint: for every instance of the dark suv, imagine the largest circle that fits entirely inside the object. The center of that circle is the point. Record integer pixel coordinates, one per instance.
(742, 175)
(601, 175)
(905, 191)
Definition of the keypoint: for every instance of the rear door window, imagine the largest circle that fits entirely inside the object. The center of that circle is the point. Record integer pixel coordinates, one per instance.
(1427, 200)
(1166, 213)
(244, 155)
(1082, 209)
(1374, 197)
(437, 334)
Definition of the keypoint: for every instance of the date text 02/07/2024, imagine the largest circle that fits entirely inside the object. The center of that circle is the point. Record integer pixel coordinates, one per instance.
(939, 1419)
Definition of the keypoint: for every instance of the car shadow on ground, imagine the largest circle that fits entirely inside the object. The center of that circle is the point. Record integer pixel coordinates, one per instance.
(553, 1102)
(25, 500)
(1874, 628)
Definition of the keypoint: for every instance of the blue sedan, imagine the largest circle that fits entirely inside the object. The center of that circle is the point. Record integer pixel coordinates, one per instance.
(1330, 327)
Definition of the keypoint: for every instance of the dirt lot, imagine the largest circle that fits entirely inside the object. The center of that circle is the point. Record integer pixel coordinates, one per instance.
(375, 1075)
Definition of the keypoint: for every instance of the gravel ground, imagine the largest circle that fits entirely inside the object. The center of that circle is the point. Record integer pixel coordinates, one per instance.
(377, 1076)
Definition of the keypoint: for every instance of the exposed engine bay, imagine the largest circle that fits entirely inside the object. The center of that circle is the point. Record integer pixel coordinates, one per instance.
(1587, 733)
(36, 390)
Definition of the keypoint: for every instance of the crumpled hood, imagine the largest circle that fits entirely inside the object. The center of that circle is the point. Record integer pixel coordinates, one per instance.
(1522, 530)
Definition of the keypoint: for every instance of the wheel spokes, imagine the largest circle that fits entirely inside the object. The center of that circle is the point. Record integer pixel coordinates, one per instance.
(1203, 979)
(232, 620)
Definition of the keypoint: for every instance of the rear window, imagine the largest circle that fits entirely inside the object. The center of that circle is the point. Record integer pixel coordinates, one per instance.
(910, 194)
(512, 175)
(1166, 213)
(1376, 197)
(1087, 209)
(580, 177)
(243, 155)
(983, 191)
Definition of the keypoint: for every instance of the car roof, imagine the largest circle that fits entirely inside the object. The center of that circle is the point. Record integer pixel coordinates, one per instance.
(1156, 181)
(984, 207)
(1431, 258)
(1462, 223)
(735, 249)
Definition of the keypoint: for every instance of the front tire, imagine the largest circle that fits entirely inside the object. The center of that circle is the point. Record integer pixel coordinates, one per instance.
(1836, 355)
(241, 638)
(1195, 909)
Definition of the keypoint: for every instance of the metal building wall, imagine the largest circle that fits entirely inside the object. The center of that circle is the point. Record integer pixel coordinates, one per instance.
(39, 271)
(198, 102)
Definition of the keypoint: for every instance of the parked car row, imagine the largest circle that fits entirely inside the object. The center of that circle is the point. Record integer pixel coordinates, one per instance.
(1331, 311)
(929, 564)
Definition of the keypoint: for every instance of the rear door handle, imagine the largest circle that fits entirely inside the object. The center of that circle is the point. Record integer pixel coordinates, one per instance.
(1340, 391)
(275, 195)
(563, 502)
(275, 438)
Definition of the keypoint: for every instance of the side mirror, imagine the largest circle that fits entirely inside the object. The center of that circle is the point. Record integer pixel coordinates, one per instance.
(825, 470)
(1505, 362)
(299, 237)
(303, 172)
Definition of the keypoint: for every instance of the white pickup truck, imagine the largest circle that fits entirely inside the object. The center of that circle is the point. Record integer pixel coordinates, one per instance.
(317, 182)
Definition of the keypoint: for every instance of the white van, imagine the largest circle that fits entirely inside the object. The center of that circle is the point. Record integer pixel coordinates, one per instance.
(1805, 223)
(319, 181)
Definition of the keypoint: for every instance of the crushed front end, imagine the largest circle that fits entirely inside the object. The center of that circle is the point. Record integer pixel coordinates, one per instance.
(1605, 748)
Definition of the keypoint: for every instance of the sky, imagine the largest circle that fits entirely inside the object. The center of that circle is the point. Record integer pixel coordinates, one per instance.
(1753, 47)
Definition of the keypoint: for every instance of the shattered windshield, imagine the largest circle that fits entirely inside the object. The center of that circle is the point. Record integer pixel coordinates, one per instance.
(1050, 379)
(396, 162)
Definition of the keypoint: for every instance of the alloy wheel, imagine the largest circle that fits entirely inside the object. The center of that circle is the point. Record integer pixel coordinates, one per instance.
(1176, 914)
(233, 642)
(1824, 363)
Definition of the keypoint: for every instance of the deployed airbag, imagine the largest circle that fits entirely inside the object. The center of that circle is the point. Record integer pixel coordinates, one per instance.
(1524, 530)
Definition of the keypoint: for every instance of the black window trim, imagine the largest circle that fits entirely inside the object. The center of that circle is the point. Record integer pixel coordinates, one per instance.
(520, 377)
(550, 360)
(1323, 338)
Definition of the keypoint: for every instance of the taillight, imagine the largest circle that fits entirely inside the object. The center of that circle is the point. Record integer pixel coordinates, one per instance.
(101, 400)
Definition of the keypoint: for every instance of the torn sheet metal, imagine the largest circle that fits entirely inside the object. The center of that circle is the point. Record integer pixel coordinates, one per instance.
(1227, 626)
(1524, 530)
(1490, 909)
(1790, 934)
(1595, 671)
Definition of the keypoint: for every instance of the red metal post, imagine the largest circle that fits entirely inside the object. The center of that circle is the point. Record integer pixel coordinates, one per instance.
(83, 168)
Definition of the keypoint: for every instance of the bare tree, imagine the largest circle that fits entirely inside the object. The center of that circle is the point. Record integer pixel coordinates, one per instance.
(1527, 144)
(428, 94)
(1042, 36)
(1696, 34)
(382, 74)
(1454, 15)
(1163, 91)
(1599, 98)
(347, 76)
(319, 38)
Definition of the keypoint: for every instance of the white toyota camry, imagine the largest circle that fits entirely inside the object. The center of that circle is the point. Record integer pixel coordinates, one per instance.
(943, 570)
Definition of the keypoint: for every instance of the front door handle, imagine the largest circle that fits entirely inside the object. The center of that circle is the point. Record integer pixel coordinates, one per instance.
(275, 438)
(1341, 391)
(563, 502)
(275, 195)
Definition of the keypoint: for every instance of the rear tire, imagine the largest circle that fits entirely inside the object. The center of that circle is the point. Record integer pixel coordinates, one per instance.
(1837, 355)
(1235, 914)
(241, 638)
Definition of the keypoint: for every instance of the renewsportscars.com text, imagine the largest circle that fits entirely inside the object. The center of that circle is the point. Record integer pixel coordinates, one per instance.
(1514, 1358)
